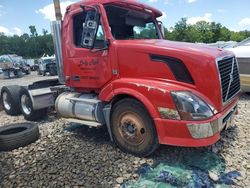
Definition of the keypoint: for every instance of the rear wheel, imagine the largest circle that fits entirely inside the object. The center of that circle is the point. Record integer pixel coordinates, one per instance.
(10, 99)
(133, 129)
(27, 107)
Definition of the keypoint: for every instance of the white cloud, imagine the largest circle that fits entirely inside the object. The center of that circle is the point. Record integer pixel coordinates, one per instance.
(163, 17)
(13, 31)
(5, 30)
(234, 29)
(193, 20)
(191, 1)
(18, 31)
(245, 22)
(49, 12)
(154, 1)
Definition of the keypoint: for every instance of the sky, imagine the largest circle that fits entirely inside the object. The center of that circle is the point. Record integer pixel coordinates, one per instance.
(17, 15)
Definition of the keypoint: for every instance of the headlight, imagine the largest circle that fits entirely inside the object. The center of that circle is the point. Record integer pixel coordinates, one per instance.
(191, 107)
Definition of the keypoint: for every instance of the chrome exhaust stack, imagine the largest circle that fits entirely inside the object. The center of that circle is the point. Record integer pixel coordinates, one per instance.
(56, 32)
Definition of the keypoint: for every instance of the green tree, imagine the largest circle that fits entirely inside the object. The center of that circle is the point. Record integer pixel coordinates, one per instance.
(33, 31)
(180, 30)
(45, 32)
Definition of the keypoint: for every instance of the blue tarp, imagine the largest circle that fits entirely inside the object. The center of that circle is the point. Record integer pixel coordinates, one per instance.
(192, 171)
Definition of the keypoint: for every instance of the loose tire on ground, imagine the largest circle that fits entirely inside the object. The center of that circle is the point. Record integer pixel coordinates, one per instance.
(10, 99)
(18, 135)
(26, 107)
(133, 129)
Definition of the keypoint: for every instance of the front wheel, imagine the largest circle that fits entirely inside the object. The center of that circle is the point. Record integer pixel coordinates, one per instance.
(133, 129)
(27, 107)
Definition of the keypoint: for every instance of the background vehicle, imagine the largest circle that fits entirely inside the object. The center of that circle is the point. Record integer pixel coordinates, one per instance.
(115, 69)
(47, 65)
(21, 63)
(34, 67)
(24, 67)
(8, 65)
(242, 52)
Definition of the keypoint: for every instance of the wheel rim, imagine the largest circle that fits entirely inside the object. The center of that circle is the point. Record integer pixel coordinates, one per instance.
(132, 129)
(26, 104)
(6, 101)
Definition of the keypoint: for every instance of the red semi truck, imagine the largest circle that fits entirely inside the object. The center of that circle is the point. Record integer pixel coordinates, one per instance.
(116, 69)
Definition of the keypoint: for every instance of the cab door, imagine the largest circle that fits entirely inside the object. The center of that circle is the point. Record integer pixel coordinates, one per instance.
(89, 68)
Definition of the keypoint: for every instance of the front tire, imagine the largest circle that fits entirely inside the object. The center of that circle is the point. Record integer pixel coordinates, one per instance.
(10, 99)
(27, 107)
(133, 129)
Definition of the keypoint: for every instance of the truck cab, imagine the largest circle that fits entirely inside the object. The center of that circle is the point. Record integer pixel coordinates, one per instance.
(116, 50)
(119, 71)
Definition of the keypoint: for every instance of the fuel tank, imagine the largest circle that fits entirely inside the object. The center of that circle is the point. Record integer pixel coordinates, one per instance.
(80, 106)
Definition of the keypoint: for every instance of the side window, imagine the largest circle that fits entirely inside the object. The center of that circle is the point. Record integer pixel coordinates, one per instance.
(100, 33)
(78, 22)
(99, 42)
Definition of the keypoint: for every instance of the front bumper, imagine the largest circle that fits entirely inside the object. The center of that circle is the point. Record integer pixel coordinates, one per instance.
(195, 133)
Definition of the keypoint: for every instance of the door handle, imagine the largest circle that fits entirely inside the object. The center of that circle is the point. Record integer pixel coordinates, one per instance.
(76, 78)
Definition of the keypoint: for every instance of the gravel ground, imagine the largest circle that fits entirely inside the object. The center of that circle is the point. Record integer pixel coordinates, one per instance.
(70, 155)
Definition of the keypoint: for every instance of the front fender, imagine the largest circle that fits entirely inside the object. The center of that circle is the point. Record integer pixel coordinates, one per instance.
(151, 93)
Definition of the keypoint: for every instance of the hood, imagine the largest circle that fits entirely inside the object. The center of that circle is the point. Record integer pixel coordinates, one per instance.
(197, 60)
(190, 48)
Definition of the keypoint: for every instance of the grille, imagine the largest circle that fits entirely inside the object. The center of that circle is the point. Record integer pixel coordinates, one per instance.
(229, 77)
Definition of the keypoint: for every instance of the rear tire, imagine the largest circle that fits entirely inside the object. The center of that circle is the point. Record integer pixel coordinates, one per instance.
(17, 135)
(27, 107)
(133, 129)
(10, 99)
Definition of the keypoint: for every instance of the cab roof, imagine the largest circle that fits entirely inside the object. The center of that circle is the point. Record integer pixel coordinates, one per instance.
(125, 3)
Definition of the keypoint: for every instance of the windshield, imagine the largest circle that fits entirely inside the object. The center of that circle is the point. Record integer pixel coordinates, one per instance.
(131, 24)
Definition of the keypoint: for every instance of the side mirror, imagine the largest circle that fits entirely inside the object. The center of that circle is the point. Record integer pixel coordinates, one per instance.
(90, 27)
(160, 24)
